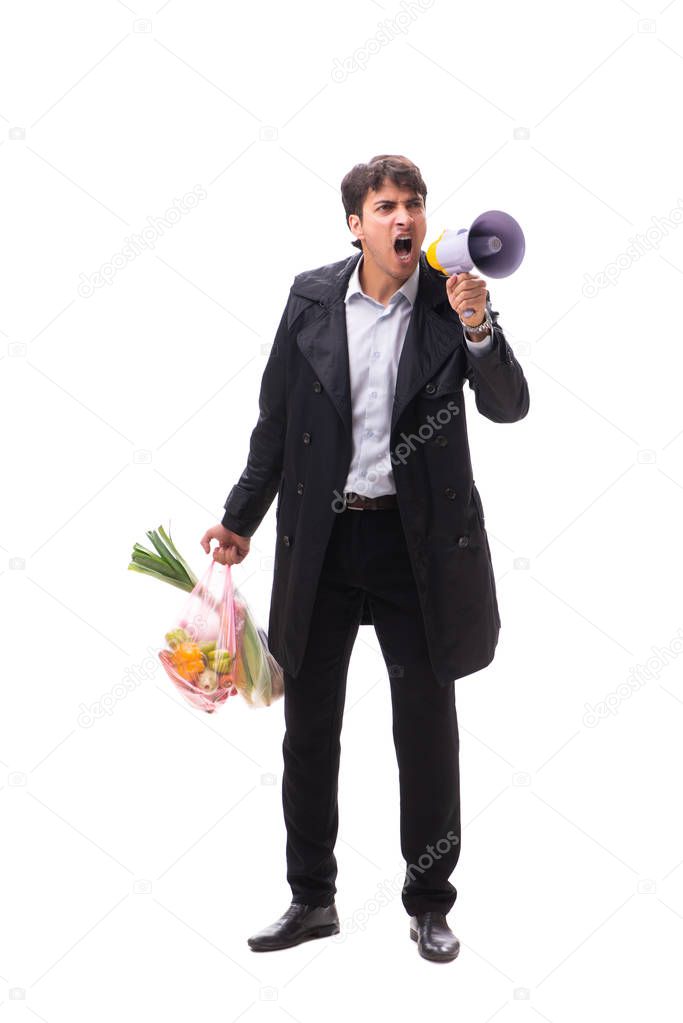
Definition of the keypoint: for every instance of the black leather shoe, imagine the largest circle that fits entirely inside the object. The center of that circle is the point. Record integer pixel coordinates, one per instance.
(299, 923)
(435, 940)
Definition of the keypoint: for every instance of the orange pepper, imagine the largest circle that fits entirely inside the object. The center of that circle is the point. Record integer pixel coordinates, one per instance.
(188, 661)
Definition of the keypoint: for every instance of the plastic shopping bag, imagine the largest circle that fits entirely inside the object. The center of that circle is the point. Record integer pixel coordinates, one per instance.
(258, 676)
(217, 650)
(202, 648)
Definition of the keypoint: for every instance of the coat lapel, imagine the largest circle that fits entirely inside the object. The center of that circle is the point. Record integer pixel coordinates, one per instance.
(324, 344)
(428, 342)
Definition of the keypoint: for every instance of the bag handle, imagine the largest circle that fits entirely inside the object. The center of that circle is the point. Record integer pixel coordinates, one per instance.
(226, 632)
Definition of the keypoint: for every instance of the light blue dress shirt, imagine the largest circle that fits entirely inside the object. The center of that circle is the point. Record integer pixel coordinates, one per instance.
(375, 336)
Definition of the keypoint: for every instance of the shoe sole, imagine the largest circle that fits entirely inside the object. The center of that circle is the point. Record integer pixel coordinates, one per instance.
(317, 932)
(436, 958)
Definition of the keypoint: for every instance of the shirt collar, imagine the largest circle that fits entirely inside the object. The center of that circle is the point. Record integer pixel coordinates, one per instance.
(408, 288)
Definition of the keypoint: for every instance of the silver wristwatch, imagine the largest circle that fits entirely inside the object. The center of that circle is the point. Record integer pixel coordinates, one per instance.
(481, 329)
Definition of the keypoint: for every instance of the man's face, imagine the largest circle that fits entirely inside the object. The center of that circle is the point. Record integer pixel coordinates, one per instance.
(389, 213)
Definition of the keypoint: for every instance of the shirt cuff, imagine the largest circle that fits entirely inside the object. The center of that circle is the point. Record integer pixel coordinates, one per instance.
(479, 347)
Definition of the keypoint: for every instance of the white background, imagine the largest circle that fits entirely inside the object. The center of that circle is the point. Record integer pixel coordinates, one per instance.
(143, 847)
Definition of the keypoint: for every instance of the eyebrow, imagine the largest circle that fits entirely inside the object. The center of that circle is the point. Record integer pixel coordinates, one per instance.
(392, 202)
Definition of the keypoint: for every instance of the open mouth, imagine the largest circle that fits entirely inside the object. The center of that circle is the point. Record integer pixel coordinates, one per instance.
(403, 246)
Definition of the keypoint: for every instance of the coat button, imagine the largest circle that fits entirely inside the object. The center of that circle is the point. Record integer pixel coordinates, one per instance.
(317, 386)
(299, 488)
(286, 541)
(430, 388)
(441, 441)
(307, 438)
(463, 541)
(450, 493)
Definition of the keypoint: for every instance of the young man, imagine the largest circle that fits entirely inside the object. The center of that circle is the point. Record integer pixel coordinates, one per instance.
(362, 435)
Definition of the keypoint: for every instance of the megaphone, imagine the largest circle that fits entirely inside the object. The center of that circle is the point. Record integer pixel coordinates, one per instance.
(494, 244)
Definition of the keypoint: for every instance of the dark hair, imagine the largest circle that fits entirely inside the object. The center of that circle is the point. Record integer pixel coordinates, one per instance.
(366, 176)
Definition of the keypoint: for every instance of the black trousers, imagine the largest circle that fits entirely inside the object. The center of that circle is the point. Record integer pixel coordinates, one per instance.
(367, 554)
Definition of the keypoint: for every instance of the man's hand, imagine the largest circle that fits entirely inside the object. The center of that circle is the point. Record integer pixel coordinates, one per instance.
(465, 291)
(231, 549)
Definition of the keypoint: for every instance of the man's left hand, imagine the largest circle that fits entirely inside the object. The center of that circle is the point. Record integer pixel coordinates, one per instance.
(466, 291)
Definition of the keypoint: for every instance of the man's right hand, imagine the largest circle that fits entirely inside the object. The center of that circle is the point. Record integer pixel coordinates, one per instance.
(231, 548)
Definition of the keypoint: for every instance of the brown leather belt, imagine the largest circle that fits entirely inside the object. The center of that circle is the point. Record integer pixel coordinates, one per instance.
(356, 502)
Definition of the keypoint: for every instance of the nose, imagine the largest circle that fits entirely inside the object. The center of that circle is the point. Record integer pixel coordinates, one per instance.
(404, 218)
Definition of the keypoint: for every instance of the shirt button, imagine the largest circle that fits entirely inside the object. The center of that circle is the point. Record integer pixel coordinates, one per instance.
(430, 388)
(442, 441)
(299, 488)
(463, 541)
(286, 541)
(307, 438)
(373, 394)
(368, 433)
(361, 472)
(375, 355)
(317, 386)
(450, 493)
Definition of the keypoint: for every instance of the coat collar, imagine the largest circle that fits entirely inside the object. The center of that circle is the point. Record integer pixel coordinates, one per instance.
(328, 284)
(408, 288)
(430, 339)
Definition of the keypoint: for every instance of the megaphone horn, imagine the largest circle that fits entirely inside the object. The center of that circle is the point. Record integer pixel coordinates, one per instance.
(494, 244)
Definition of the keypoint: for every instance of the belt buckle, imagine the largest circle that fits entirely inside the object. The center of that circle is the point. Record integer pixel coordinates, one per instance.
(350, 505)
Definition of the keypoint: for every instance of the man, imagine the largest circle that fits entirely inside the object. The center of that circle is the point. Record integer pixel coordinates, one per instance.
(362, 435)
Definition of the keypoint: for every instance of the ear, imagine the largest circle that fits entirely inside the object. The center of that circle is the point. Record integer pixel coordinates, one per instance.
(355, 225)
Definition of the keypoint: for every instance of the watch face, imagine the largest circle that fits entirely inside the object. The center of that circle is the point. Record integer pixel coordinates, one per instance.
(482, 326)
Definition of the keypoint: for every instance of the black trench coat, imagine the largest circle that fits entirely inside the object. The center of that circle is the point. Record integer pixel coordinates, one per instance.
(300, 449)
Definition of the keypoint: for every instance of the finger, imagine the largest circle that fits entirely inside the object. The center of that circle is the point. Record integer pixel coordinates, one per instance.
(467, 291)
(474, 298)
(464, 278)
(470, 286)
(469, 303)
